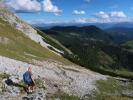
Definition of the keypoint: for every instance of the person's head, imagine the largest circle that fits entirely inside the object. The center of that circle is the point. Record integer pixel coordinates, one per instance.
(29, 69)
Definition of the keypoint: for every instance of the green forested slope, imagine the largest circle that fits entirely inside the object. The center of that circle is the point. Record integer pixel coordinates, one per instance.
(94, 49)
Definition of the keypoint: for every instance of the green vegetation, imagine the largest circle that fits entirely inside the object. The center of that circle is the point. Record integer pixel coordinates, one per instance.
(14, 44)
(2, 86)
(94, 49)
(4, 76)
(39, 83)
(62, 96)
(111, 89)
(120, 34)
(53, 42)
(128, 46)
(22, 86)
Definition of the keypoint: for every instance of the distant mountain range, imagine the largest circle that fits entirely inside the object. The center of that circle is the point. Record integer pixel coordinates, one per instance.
(100, 25)
(121, 34)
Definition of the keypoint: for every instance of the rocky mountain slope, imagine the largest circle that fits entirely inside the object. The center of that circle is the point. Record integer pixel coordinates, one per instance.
(56, 78)
(21, 46)
(14, 21)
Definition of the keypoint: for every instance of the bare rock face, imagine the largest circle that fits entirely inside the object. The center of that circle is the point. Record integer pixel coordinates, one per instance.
(11, 89)
(24, 28)
(20, 25)
(37, 95)
(72, 79)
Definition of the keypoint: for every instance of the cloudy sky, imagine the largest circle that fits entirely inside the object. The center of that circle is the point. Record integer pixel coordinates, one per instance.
(80, 11)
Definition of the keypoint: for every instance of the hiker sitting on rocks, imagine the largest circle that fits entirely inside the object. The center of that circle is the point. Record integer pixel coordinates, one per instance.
(27, 77)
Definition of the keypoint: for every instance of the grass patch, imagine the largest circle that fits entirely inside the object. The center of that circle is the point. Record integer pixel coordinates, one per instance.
(125, 72)
(110, 89)
(22, 86)
(109, 86)
(39, 83)
(62, 96)
(4, 76)
(2, 86)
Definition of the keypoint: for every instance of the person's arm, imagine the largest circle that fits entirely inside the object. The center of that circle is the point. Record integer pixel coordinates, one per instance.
(32, 78)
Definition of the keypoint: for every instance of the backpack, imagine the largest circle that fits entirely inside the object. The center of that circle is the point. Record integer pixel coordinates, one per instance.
(26, 77)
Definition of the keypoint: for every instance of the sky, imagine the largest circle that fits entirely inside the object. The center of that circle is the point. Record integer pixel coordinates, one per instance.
(68, 11)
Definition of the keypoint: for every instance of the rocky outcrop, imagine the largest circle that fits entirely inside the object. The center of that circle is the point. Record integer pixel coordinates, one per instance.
(25, 28)
(37, 95)
(55, 76)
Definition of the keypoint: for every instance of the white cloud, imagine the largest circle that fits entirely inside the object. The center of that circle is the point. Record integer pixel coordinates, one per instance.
(80, 20)
(78, 12)
(23, 6)
(102, 15)
(63, 22)
(118, 14)
(85, 20)
(49, 7)
(31, 6)
(110, 15)
(114, 16)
